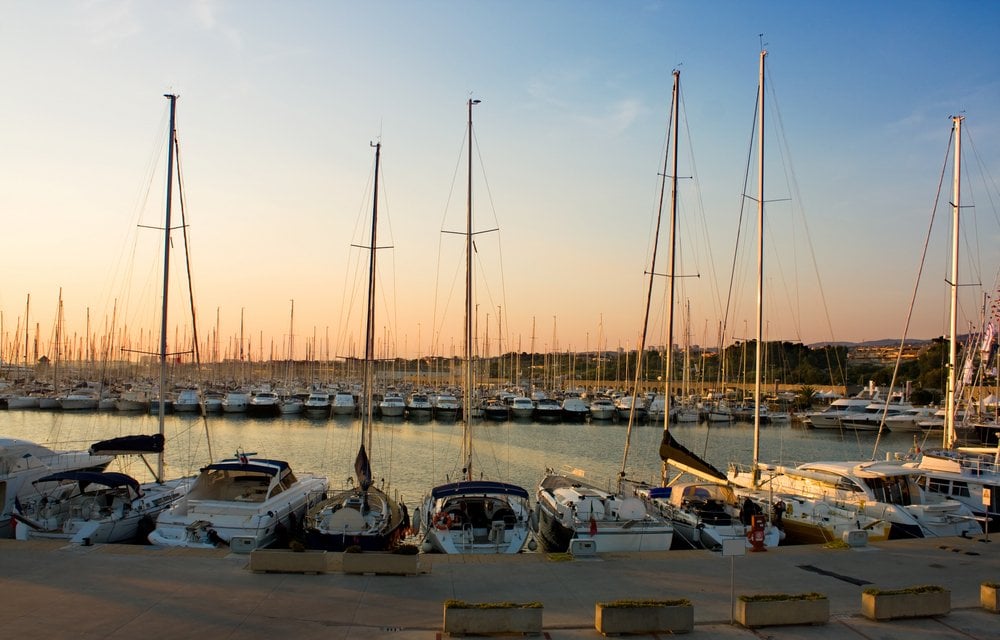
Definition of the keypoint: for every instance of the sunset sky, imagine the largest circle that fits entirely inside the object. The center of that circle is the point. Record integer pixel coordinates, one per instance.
(279, 102)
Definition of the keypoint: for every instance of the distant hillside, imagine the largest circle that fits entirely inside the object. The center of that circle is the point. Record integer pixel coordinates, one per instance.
(885, 342)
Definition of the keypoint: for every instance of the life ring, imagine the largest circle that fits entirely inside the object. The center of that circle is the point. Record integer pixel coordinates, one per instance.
(442, 521)
(788, 509)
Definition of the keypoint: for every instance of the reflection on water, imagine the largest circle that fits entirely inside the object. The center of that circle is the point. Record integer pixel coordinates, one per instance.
(413, 456)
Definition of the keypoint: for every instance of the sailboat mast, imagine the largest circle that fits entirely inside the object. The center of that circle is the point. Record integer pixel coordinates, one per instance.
(366, 434)
(760, 269)
(166, 276)
(467, 405)
(669, 368)
(956, 208)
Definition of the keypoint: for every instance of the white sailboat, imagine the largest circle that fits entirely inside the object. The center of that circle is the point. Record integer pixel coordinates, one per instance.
(617, 518)
(970, 475)
(859, 496)
(473, 515)
(363, 515)
(99, 506)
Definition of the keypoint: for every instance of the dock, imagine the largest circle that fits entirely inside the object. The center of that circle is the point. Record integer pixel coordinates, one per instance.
(54, 590)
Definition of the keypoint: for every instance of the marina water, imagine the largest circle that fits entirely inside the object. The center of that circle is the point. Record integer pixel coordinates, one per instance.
(411, 457)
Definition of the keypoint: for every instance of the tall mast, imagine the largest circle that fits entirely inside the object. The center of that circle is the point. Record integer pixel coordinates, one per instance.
(366, 435)
(27, 307)
(956, 208)
(669, 368)
(649, 297)
(467, 400)
(760, 270)
(166, 276)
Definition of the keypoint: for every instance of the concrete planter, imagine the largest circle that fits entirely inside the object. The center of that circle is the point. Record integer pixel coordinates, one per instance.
(611, 618)
(916, 602)
(392, 564)
(502, 617)
(769, 611)
(989, 596)
(287, 561)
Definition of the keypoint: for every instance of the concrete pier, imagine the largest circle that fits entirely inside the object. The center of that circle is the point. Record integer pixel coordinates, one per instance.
(52, 590)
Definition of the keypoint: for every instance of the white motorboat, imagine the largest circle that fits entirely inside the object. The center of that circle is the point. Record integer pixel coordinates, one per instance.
(882, 490)
(317, 404)
(392, 405)
(264, 403)
(235, 402)
(910, 420)
(446, 407)
(291, 404)
(80, 399)
(419, 407)
(132, 400)
(574, 409)
(548, 410)
(830, 417)
(187, 401)
(969, 475)
(522, 408)
(244, 502)
(343, 404)
(602, 408)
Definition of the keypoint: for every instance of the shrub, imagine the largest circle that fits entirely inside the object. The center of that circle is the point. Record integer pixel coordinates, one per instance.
(461, 604)
(622, 604)
(777, 597)
(926, 588)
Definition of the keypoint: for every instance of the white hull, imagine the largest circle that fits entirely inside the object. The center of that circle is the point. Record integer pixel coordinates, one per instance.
(223, 507)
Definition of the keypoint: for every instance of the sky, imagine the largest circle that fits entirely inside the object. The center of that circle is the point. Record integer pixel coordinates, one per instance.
(279, 103)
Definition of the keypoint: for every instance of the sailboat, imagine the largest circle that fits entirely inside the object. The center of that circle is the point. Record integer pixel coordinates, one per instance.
(362, 515)
(616, 518)
(704, 512)
(830, 500)
(970, 475)
(102, 506)
(473, 515)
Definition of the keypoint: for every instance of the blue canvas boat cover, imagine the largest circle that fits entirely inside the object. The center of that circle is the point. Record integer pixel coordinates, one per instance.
(478, 487)
(85, 478)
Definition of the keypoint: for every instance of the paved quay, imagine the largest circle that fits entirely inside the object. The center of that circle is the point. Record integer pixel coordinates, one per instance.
(52, 590)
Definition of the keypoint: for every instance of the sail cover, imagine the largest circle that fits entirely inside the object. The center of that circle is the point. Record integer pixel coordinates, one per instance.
(125, 445)
(363, 469)
(673, 452)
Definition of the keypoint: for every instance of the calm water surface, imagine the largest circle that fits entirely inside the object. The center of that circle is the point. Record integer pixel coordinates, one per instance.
(411, 457)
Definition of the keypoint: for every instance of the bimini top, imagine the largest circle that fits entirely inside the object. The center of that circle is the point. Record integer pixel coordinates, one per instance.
(477, 487)
(111, 479)
(135, 444)
(257, 465)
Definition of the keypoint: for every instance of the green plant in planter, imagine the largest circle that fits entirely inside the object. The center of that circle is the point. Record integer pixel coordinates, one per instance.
(296, 546)
(631, 604)
(778, 597)
(353, 549)
(461, 604)
(406, 550)
(991, 585)
(926, 588)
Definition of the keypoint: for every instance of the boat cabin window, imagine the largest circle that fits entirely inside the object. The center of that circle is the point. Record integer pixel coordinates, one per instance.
(846, 484)
(893, 490)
